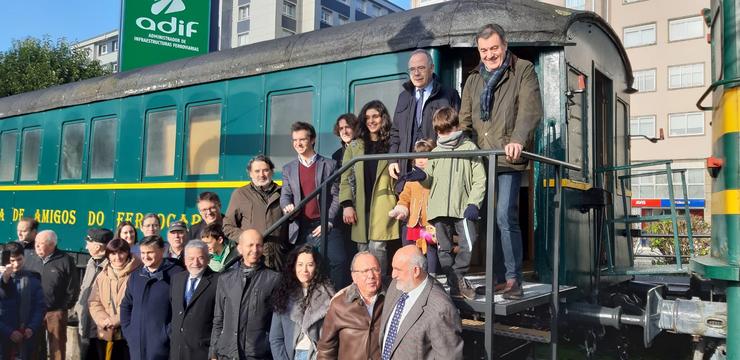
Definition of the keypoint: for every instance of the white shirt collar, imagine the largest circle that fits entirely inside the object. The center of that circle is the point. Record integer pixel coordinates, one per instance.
(308, 162)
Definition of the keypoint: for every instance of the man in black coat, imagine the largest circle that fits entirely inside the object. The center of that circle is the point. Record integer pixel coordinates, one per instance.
(422, 95)
(243, 312)
(192, 297)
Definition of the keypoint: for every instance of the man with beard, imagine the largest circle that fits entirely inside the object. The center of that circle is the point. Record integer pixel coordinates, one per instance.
(419, 320)
(257, 206)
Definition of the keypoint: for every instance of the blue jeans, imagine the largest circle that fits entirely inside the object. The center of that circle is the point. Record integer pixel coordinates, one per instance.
(301, 355)
(508, 259)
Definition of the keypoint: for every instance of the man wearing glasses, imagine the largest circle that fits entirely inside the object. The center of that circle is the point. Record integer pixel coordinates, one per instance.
(422, 95)
(352, 325)
(209, 208)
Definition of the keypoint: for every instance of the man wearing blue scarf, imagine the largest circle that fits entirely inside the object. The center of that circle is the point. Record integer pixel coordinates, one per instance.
(501, 103)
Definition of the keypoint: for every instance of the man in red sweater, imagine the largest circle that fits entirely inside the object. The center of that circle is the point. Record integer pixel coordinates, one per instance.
(300, 178)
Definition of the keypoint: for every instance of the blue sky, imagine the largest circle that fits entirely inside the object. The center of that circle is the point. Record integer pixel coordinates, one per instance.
(74, 20)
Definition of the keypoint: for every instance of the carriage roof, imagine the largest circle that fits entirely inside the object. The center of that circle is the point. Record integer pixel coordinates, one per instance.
(453, 23)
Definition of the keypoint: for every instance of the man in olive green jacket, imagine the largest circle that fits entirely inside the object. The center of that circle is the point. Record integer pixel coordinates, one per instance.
(501, 103)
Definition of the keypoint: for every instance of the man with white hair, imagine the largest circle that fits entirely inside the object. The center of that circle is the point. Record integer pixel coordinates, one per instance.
(419, 320)
(60, 282)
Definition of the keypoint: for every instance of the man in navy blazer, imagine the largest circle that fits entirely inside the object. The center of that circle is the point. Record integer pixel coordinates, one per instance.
(301, 177)
(193, 298)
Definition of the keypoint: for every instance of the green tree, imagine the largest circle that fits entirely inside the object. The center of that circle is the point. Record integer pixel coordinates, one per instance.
(33, 64)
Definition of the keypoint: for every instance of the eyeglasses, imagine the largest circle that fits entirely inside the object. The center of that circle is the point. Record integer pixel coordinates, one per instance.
(418, 68)
(368, 271)
(207, 210)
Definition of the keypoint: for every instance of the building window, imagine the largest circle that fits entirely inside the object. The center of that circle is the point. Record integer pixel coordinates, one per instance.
(114, 67)
(639, 35)
(361, 5)
(242, 39)
(287, 32)
(343, 19)
(377, 11)
(687, 28)
(630, 1)
(682, 124)
(114, 45)
(244, 12)
(644, 80)
(643, 125)
(289, 9)
(576, 4)
(656, 186)
(327, 16)
(102, 49)
(683, 76)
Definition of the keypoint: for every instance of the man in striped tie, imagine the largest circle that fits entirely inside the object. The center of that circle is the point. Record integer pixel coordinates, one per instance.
(419, 320)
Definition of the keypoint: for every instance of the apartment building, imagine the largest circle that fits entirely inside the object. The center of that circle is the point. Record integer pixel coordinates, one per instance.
(667, 46)
(103, 48)
(243, 22)
(248, 21)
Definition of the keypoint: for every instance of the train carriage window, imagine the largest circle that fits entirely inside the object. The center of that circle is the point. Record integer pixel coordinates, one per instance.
(31, 154)
(8, 145)
(386, 91)
(204, 139)
(283, 110)
(72, 146)
(161, 132)
(103, 151)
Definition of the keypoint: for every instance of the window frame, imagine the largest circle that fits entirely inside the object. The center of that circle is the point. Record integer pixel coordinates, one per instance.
(654, 25)
(239, 35)
(639, 118)
(103, 49)
(342, 20)
(16, 158)
(186, 140)
(655, 80)
(315, 118)
(89, 144)
(702, 72)
(325, 11)
(177, 163)
(40, 154)
(85, 149)
(239, 12)
(684, 19)
(703, 123)
(287, 4)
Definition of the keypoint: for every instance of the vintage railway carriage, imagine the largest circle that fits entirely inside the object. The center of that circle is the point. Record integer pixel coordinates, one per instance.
(96, 152)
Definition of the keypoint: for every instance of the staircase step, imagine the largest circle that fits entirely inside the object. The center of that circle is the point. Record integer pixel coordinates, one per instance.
(511, 331)
(649, 270)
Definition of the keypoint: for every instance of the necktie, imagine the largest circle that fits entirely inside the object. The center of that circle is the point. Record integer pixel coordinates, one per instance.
(419, 106)
(190, 291)
(393, 329)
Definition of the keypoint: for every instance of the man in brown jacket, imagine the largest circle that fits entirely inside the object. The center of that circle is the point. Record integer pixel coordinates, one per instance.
(501, 103)
(257, 206)
(352, 325)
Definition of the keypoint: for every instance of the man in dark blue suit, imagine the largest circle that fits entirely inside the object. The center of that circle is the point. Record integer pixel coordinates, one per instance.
(192, 297)
(300, 178)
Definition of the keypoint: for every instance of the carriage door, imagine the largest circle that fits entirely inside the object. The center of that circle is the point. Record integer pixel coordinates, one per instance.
(603, 127)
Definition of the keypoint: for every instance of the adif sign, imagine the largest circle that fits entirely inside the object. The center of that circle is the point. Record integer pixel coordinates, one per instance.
(157, 31)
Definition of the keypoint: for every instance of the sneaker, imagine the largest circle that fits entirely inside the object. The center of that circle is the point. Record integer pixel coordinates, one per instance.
(466, 290)
(513, 292)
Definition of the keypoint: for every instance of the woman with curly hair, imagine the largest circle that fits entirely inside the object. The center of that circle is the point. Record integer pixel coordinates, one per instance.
(300, 304)
(366, 190)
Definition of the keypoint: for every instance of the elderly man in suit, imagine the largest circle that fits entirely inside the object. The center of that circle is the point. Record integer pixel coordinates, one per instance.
(300, 178)
(192, 297)
(419, 320)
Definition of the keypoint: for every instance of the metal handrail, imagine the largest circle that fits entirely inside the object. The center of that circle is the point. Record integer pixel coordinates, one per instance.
(492, 156)
(711, 88)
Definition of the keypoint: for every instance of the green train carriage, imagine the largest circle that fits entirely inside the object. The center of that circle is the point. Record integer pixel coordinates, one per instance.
(100, 151)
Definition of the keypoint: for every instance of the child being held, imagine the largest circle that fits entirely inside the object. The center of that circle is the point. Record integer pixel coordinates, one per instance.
(457, 187)
(412, 207)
